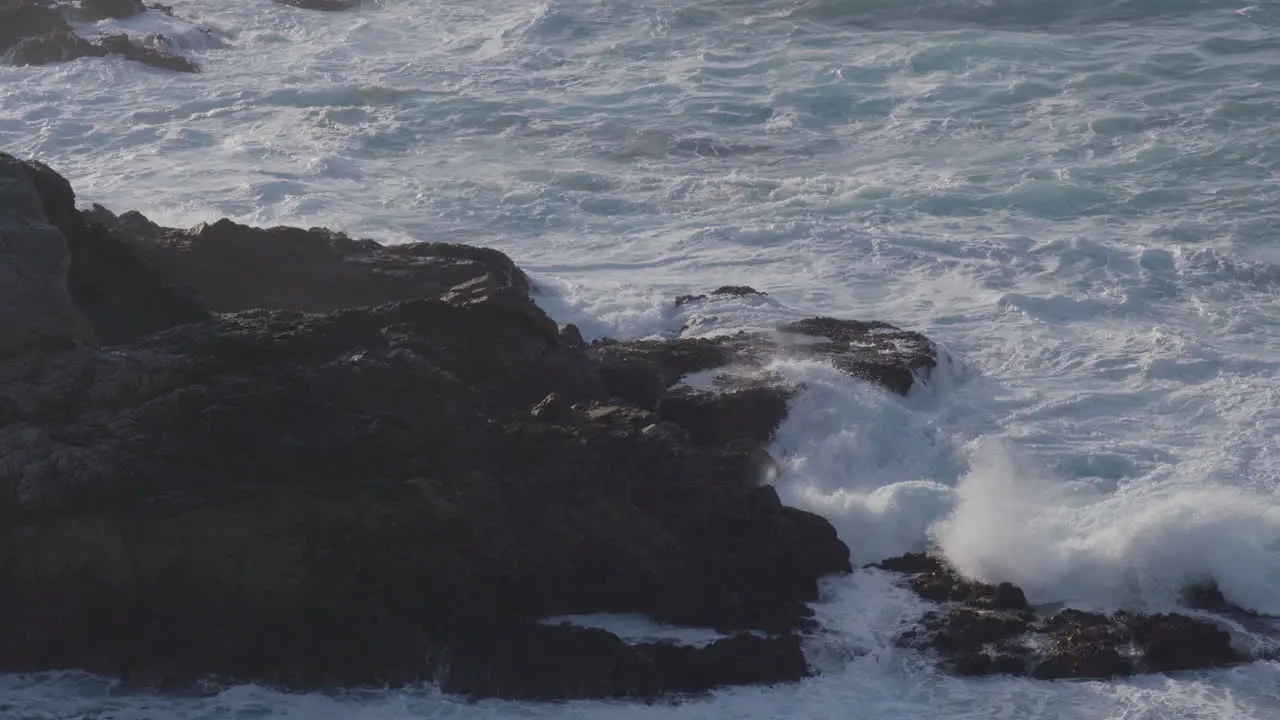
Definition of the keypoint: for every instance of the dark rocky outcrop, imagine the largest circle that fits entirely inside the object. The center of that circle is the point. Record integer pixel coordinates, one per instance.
(722, 291)
(36, 312)
(112, 286)
(234, 267)
(983, 629)
(390, 478)
(861, 349)
(36, 32)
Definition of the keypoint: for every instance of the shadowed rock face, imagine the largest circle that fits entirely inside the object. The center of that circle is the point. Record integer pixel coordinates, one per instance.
(983, 629)
(235, 267)
(390, 472)
(114, 289)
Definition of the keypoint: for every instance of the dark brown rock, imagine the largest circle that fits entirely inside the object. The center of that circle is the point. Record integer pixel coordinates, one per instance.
(1176, 642)
(986, 629)
(1083, 645)
(945, 585)
(234, 267)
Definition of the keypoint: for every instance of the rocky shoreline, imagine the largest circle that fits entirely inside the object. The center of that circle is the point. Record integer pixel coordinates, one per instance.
(292, 457)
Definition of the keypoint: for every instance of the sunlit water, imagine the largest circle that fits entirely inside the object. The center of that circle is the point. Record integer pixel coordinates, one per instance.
(1078, 199)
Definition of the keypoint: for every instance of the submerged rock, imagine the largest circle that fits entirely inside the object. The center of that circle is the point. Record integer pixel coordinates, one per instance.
(983, 629)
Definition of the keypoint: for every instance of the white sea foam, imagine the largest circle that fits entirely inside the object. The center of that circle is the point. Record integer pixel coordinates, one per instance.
(1140, 544)
(1076, 198)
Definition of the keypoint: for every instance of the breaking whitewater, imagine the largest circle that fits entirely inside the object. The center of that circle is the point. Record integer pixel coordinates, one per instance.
(1077, 200)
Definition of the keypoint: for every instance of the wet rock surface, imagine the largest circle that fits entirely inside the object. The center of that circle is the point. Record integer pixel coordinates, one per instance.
(389, 471)
(982, 629)
(38, 32)
(722, 291)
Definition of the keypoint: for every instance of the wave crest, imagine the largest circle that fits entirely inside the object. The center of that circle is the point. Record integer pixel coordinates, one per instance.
(1139, 546)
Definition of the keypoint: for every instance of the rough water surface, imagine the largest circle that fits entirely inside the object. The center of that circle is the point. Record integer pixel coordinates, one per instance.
(1079, 199)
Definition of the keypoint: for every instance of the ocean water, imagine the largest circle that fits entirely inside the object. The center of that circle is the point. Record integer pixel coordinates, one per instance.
(1080, 199)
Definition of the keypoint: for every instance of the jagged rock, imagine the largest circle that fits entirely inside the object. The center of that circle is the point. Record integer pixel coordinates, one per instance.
(724, 290)
(52, 47)
(751, 413)
(641, 372)
(386, 464)
(1084, 645)
(1172, 642)
(35, 32)
(114, 290)
(36, 310)
(234, 267)
(203, 500)
(873, 351)
(912, 563)
(349, 497)
(984, 629)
